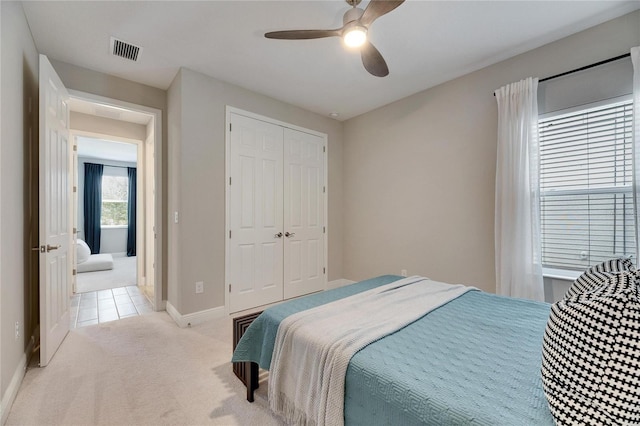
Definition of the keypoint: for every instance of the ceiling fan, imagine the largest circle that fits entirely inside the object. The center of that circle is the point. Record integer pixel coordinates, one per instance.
(356, 23)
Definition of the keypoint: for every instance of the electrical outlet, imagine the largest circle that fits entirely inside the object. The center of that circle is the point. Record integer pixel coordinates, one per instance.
(17, 330)
(403, 272)
(200, 287)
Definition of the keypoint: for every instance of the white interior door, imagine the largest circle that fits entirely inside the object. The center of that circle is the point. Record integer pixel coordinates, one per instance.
(255, 222)
(54, 216)
(303, 213)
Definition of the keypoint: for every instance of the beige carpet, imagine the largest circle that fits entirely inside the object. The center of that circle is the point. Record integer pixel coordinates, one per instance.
(140, 371)
(122, 275)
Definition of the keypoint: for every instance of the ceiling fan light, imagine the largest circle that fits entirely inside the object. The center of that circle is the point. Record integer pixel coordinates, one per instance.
(355, 37)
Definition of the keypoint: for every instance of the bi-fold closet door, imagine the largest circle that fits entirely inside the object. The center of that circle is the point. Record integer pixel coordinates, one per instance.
(276, 213)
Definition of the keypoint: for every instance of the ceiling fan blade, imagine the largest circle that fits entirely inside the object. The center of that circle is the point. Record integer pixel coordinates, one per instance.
(303, 34)
(377, 8)
(373, 60)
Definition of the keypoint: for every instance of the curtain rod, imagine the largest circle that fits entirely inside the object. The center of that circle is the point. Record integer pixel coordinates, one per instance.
(586, 67)
(120, 167)
(107, 165)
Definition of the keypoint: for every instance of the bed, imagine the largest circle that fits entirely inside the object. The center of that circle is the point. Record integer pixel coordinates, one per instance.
(474, 360)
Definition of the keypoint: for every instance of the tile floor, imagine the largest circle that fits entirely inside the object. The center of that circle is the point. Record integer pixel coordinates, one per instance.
(108, 305)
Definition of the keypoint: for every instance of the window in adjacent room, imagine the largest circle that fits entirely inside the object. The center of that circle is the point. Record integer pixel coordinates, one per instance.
(114, 200)
(586, 184)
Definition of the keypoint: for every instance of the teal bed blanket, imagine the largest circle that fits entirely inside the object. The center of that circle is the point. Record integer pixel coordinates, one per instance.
(473, 361)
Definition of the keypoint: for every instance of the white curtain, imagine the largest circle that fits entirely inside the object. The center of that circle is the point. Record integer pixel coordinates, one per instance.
(517, 223)
(635, 59)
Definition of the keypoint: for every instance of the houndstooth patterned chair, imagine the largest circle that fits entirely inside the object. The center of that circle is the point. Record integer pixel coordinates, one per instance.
(591, 351)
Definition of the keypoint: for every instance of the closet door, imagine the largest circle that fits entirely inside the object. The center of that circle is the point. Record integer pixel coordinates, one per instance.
(303, 213)
(256, 242)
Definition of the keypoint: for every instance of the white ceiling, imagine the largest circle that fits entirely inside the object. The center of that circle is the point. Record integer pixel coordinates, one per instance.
(424, 42)
(107, 150)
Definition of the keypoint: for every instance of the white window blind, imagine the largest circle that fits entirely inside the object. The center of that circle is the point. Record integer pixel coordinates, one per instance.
(586, 185)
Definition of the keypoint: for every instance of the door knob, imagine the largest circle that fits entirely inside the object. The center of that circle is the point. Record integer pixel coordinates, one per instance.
(50, 247)
(279, 235)
(289, 234)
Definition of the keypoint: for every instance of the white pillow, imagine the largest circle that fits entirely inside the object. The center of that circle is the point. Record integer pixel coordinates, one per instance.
(82, 251)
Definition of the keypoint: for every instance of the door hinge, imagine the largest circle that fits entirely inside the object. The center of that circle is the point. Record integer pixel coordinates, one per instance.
(229, 234)
(324, 149)
(229, 180)
(324, 189)
(324, 230)
(229, 126)
(324, 270)
(75, 147)
(75, 189)
(73, 272)
(229, 288)
(75, 231)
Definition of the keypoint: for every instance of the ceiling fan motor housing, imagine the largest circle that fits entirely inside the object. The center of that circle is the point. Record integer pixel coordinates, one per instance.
(353, 14)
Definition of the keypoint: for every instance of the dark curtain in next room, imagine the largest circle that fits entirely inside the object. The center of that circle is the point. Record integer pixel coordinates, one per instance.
(92, 205)
(131, 213)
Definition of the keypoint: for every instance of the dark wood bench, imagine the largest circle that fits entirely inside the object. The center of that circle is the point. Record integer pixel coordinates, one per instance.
(247, 372)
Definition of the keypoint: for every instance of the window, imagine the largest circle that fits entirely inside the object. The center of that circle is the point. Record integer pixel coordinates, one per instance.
(586, 185)
(115, 190)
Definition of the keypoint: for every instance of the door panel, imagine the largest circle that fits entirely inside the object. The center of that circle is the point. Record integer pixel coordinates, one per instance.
(255, 197)
(54, 218)
(303, 213)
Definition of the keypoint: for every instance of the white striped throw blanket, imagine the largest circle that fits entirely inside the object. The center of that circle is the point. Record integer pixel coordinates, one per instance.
(313, 347)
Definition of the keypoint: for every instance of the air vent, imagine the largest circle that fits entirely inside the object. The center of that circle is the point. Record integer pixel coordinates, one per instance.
(124, 49)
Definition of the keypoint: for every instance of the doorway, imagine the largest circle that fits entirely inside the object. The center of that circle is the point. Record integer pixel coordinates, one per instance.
(108, 285)
(117, 280)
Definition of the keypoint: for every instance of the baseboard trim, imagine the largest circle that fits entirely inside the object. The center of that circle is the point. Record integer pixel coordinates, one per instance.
(338, 283)
(18, 375)
(195, 317)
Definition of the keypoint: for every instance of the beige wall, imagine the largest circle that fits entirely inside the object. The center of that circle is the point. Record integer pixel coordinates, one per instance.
(419, 174)
(107, 126)
(101, 84)
(198, 181)
(18, 284)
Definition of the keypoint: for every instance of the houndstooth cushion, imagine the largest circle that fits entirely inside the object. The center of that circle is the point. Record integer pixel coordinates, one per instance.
(597, 275)
(591, 355)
